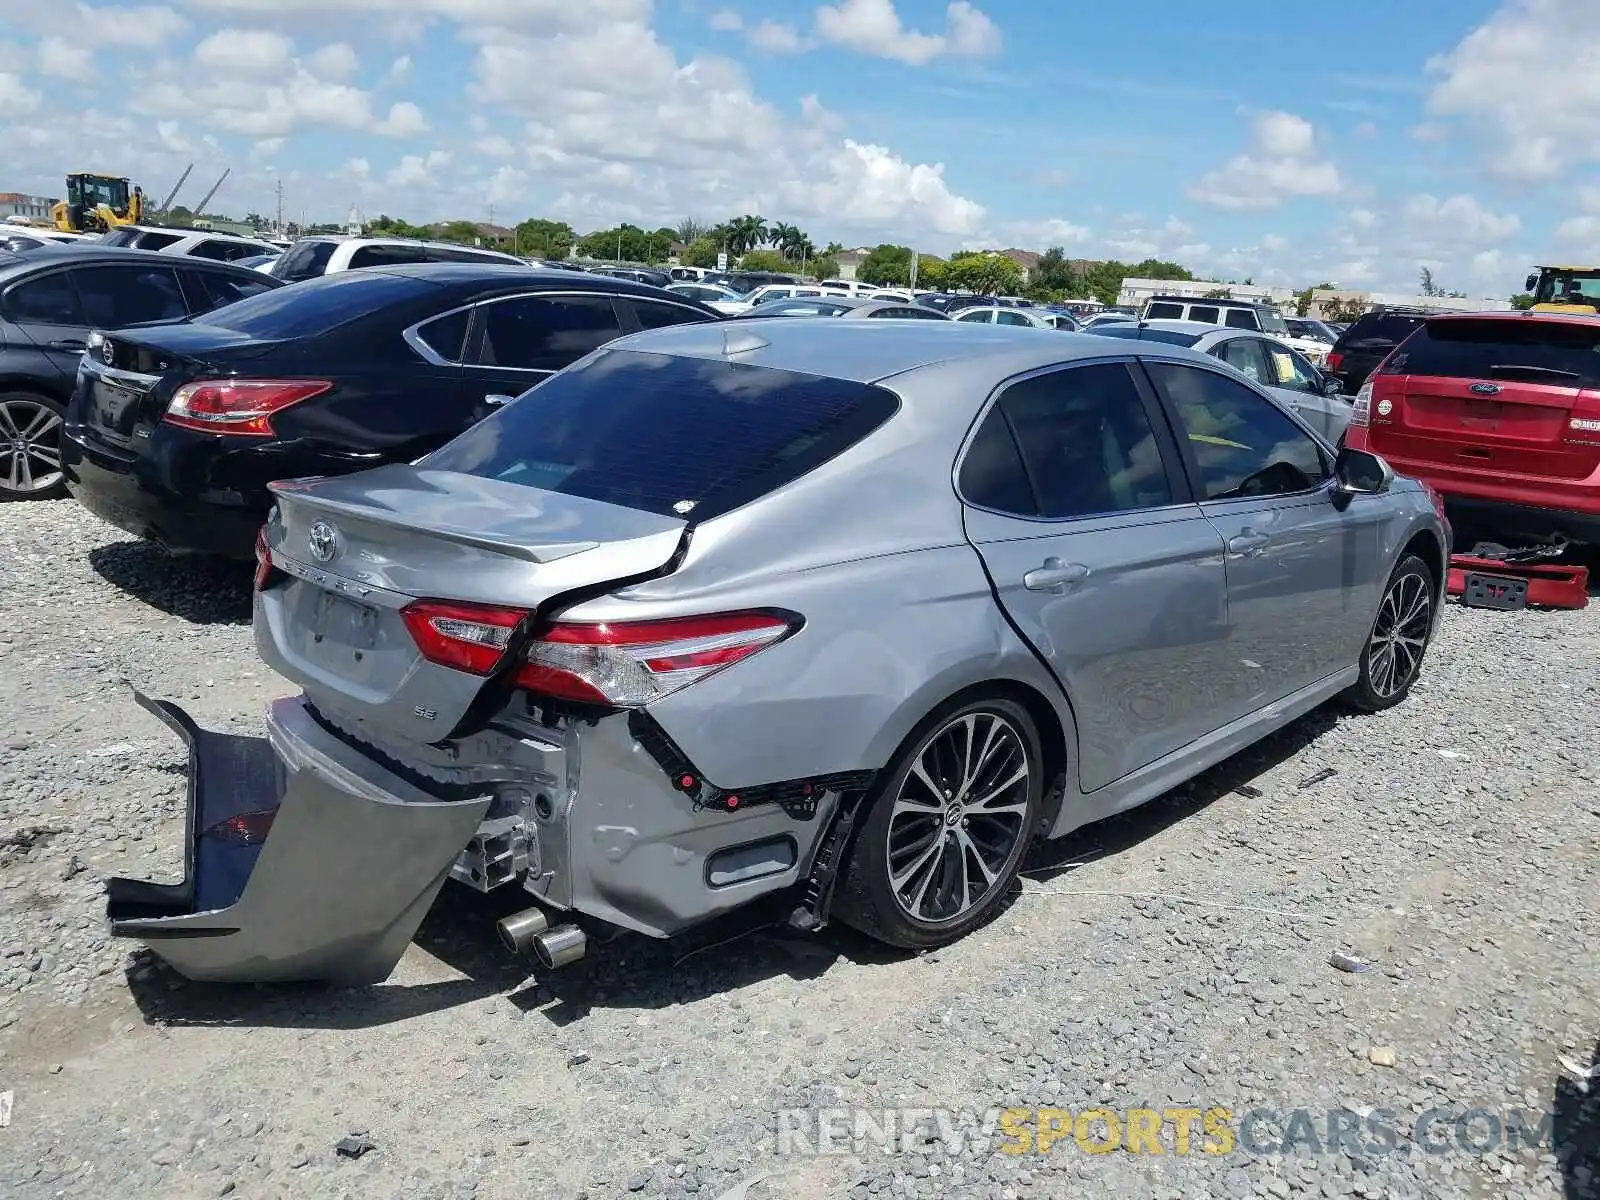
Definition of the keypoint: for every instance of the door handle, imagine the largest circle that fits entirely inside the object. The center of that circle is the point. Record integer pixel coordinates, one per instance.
(1248, 544)
(1054, 576)
(495, 399)
(69, 345)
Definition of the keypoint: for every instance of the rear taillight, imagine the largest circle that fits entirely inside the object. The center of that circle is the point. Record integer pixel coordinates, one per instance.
(242, 407)
(244, 829)
(1335, 360)
(629, 664)
(1361, 411)
(468, 637)
(263, 559)
(623, 664)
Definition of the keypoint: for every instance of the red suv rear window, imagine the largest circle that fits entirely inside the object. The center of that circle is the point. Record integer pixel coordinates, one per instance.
(1524, 349)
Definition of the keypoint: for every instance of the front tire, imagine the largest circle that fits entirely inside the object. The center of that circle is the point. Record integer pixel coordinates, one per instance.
(947, 828)
(31, 428)
(1391, 660)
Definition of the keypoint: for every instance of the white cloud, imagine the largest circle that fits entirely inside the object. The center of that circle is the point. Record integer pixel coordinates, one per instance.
(399, 69)
(535, 17)
(1053, 231)
(495, 146)
(15, 99)
(251, 53)
(874, 27)
(1526, 79)
(414, 169)
(774, 37)
(1280, 165)
(122, 28)
(1459, 221)
(336, 61)
(65, 60)
(1579, 232)
(725, 20)
(873, 185)
(405, 119)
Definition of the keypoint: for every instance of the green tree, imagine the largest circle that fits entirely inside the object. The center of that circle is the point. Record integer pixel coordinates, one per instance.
(1221, 293)
(1522, 301)
(255, 220)
(984, 272)
(690, 231)
(539, 238)
(465, 232)
(394, 227)
(764, 260)
(180, 216)
(1104, 280)
(826, 267)
(1426, 283)
(741, 234)
(702, 252)
(932, 273)
(1344, 310)
(625, 243)
(1302, 300)
(887, 266)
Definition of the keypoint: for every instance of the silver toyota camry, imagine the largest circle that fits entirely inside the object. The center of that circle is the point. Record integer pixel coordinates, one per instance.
(850, 611)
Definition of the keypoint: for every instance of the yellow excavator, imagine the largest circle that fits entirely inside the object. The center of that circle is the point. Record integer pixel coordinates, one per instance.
(97, 204)
(1573, 290)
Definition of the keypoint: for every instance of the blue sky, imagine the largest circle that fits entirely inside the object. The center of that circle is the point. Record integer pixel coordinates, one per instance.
(1355, 141)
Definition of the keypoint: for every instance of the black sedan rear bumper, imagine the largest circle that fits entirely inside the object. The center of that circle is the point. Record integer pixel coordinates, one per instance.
(139, 495)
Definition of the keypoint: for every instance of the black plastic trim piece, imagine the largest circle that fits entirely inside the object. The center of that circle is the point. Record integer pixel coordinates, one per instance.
(797, 797)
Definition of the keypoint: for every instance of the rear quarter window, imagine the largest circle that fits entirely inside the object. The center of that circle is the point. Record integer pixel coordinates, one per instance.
(675, 436)
(1532, 351)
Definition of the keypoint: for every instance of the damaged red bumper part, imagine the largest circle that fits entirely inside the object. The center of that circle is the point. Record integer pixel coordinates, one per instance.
(296, 867)
(1496, 583)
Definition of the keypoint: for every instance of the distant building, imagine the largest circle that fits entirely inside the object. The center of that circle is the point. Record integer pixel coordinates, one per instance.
(1027, 260)
(1136, 291)
(1323, 298)
(20, 204)
(850, 261)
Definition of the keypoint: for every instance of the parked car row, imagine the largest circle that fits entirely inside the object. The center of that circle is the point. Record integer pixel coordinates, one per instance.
(846, 611)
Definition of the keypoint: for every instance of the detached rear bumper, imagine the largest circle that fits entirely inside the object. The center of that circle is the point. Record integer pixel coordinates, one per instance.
(334, 892)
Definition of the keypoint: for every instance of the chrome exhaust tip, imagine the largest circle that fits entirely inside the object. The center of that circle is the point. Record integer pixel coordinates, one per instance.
(560, 947)
(518, 930)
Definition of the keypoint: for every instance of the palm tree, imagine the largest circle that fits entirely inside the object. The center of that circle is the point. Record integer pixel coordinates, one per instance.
(743, 234)
(783, 237)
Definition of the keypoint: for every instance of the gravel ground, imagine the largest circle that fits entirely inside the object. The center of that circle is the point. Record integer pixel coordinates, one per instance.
(1181, 958)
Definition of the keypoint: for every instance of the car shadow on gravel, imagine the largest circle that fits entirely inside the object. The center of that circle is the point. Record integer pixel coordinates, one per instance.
(1575, 1131)
(629, 971)
(204, 591)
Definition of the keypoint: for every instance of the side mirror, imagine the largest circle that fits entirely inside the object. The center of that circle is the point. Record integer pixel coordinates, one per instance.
(1531, 282)
(1331, 385)
(1360, 473)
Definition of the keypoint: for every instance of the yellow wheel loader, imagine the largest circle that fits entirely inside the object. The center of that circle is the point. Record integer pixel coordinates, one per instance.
(97, 203)
(1566, 290)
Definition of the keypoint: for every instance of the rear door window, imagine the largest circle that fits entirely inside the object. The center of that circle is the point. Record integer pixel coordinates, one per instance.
(544, 333)
(1563, 353)
(1245, 356)
(44, 300)
(1086, 441)
(1011, 317)
(114, 296)
(210, 290)
(1241, 318)
(1204, 313)
(675, 436)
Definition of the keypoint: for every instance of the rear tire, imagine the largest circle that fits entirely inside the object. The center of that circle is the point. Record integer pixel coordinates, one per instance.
(1391, 660)
(31, 428)
(947, 827)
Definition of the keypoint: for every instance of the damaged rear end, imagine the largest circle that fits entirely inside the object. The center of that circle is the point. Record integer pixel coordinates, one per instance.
(459, 718)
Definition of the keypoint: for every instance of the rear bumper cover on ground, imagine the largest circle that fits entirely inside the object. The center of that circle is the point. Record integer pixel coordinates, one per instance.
(334, 893)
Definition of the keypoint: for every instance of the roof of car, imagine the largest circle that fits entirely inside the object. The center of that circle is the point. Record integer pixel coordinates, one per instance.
(77, 254)
(1528, 315)
(869, 351)
(522, 278)
(1226, 302)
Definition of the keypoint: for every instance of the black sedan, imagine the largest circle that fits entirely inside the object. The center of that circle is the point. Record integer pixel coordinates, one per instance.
(174, 431)
(50, 298)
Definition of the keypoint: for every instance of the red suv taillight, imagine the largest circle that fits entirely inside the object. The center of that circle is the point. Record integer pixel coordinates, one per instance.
(1335, 360)
(242, 407)
(624, 664)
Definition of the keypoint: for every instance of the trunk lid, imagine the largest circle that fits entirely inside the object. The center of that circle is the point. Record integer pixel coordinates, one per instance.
(354, 551)
(1508, 395)
(126, 379)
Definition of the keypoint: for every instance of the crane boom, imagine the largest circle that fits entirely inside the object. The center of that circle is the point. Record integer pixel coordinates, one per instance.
(206, 199)
(176, 188)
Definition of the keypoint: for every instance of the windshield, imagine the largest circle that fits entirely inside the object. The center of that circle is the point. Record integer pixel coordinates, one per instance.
(668, 435)
(317, 305)
(1568, 287)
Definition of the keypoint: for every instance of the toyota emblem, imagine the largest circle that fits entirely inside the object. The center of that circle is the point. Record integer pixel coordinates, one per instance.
(323, 541)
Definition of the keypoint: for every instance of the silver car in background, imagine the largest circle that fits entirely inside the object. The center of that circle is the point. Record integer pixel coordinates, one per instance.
(1315, 395)
(847, 611)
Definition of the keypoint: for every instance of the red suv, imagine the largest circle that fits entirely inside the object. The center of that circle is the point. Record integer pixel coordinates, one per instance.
(1500, 412)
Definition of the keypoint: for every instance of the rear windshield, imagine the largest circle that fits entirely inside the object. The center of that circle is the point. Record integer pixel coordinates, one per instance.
(1131, 331)
(1380, 329)
(1558, 352)
(685, 437)
(317, 304)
